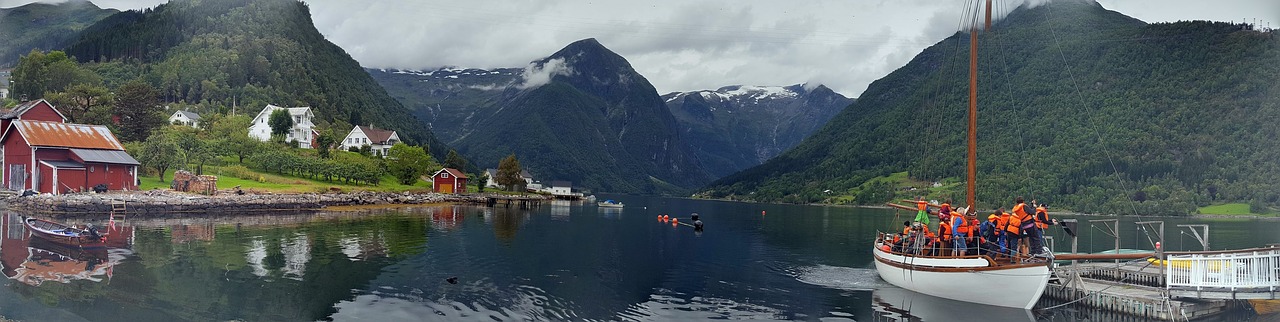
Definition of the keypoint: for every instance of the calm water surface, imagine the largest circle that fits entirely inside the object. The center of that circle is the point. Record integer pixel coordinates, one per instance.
(562, 261)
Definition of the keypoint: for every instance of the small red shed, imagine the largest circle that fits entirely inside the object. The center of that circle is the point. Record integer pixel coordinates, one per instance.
(37, 110)
(449, 180)
(55, 157)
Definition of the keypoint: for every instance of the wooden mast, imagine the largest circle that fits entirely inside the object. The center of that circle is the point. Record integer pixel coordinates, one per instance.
(972, 177)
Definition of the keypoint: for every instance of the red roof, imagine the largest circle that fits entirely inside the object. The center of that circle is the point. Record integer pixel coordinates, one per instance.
(453, 172)
(376, 135)
(67, 135)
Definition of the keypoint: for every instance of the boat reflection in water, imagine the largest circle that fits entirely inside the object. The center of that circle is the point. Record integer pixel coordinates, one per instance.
(33, 260)
(897, 304)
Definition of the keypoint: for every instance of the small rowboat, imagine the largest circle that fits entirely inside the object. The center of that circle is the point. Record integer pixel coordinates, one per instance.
(63, 234)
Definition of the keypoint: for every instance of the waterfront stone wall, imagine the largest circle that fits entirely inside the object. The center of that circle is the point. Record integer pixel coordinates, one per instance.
(163, 202)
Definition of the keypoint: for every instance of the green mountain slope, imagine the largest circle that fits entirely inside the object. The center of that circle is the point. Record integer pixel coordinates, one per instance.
(44, 26)
(245, 53)
(595, 122)
(1079, 106)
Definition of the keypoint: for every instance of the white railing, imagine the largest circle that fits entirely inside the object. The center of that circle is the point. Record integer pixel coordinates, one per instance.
(1256, 270)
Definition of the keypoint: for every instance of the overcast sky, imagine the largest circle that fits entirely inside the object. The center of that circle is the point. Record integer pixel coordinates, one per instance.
(684, 45)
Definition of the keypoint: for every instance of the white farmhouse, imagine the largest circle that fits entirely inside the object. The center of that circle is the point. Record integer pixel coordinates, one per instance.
(187, 118)
(379, 141)
(303, 129)
(524, 174)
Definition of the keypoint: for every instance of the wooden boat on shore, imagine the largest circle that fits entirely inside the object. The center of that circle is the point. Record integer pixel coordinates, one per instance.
(64, 234)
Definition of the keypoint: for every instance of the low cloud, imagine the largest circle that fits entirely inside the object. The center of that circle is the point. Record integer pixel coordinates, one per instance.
(538, 74)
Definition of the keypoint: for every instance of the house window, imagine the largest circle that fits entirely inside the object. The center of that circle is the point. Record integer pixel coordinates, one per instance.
(444, 175)
(90, 169)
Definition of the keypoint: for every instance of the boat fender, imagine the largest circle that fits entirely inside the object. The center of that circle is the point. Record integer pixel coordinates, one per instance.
(697, 225)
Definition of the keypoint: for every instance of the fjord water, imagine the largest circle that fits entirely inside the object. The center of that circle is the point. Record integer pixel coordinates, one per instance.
(560, 261)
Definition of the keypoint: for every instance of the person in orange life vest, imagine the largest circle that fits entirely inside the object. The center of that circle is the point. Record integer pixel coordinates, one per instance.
(1026, 224)
(922, 216)
(959, 231)
(944, 212)
(1042, 222)
(944, 235)
(1013, 233)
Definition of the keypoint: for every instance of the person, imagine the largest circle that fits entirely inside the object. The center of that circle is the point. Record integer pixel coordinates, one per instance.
(959, 231)
(989, 234)
(1042, 223)
(1026, 224)
(944, 211)
(1012, 233)
(922, 216)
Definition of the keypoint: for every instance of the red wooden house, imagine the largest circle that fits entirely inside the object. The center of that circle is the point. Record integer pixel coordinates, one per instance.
(37, 110)
(449, 180)
(55, 157)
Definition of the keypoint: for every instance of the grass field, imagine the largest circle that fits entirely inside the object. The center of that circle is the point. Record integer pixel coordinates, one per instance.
(1234, 209)
(287, 184)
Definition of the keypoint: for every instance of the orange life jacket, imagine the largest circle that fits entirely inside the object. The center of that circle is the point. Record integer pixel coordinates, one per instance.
(1013, 224)
(1042, 218)
(1002, 222)
(944, 229)
(922, 205)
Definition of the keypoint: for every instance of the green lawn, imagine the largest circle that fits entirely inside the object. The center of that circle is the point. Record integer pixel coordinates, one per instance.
(1229, 209)
(285, 184)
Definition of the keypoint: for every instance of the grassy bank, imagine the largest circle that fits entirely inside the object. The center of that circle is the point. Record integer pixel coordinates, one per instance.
(1237, 209)
(229, 178)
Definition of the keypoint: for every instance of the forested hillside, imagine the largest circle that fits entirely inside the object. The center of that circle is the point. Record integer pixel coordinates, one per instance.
(44, 26)
(1079, 106)
(243, 54)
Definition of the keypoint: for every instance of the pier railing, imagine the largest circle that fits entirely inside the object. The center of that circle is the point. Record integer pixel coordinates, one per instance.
(1244, 274)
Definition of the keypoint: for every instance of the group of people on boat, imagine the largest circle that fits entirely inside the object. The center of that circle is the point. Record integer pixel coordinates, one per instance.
(1016, 234)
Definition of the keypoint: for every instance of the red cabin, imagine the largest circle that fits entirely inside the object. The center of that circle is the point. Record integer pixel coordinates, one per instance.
(37, 110)
(55, 157)
(449, 180)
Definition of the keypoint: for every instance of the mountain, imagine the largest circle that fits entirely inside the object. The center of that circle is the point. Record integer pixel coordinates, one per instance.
(737, 127)
(582, 114)
(245, 54)
(44, 26)
(1079, 106)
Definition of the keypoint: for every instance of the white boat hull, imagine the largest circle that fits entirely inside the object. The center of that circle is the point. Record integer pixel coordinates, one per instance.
(965, 279)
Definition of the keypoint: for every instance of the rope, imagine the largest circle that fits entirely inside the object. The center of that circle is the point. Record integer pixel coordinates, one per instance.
(1089, 111)
(1094, 293)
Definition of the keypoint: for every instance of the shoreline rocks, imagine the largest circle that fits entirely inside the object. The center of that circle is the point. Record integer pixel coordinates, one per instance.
(164, 202)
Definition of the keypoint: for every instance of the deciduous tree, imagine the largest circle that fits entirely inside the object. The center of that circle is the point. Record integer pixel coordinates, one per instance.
(408, 163)
(160, 151)
(509, 172)
(139, 110)
(281, 122)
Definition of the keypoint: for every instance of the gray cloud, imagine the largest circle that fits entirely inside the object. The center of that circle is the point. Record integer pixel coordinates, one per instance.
(684, 45)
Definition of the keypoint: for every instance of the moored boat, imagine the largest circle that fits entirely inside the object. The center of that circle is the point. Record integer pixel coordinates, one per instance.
(1016, 282)
(610, 203)
(64, 234)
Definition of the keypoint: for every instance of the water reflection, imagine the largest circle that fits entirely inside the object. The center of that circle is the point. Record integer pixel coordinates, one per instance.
(33, 260)
(896, 304)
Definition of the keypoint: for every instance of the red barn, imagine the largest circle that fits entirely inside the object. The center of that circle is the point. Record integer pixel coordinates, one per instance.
(37, 110)
(54, 157)
(449, 180)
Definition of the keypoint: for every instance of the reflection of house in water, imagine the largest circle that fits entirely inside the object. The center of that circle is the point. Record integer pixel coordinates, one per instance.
(295, 250)
(185, 233)
(560, 208)
(446, 217)
(359, 248)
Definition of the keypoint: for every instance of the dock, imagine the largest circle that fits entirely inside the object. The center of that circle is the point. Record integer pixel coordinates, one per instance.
(521, 201)
(1179, 286)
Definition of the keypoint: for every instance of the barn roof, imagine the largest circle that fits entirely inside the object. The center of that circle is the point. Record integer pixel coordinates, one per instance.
(66, 135)
(376, 135)
(105, 156)
(453, 172)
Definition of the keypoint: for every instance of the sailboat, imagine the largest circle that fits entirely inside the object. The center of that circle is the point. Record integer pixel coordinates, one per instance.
(982, 278)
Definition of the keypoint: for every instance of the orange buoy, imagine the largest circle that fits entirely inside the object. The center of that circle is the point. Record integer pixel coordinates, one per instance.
(762, 212)
(675, 220)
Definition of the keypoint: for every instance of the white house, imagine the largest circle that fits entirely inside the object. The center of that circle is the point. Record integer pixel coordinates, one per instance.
(302, 131)
(560, 188)
(187, 118)
(493, 183)
(379, 141)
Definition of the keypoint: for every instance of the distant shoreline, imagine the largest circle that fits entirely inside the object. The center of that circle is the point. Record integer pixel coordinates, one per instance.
(167, 203)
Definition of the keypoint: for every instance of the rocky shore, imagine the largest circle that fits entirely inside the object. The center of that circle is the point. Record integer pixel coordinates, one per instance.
(158, 202)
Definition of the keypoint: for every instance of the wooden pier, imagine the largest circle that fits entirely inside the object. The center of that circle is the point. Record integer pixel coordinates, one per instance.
(521, 201)
(1132, 289)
